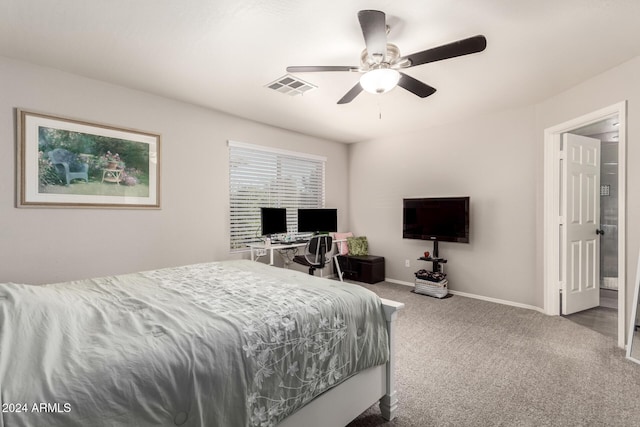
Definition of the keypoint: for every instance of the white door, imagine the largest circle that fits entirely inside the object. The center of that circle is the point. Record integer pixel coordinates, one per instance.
(581, 178)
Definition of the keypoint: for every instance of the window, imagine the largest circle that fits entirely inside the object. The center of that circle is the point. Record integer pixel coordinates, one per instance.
(266, 177)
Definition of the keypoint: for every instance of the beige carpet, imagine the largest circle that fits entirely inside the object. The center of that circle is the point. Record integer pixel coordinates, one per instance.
(466, 362)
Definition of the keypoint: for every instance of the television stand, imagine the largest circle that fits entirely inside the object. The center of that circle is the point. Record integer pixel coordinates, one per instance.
(436, 267)
(435, 260)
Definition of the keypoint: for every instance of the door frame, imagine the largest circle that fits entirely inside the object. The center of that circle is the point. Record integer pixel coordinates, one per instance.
(551, 200)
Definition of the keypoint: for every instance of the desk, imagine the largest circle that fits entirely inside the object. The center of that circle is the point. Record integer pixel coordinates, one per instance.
(272, 247)
(292, 245)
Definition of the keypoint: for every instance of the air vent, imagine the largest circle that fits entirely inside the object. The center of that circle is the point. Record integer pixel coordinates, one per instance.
(290, 85)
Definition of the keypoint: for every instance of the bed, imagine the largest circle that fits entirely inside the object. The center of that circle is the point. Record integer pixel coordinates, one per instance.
(233, 343)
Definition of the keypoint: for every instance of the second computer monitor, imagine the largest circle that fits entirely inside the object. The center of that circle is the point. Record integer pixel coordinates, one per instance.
(317, 220)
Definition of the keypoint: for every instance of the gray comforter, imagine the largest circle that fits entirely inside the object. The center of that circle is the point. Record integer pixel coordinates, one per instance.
(232, 343)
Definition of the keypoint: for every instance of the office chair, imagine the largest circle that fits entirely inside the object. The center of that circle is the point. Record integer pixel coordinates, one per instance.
(315, 253)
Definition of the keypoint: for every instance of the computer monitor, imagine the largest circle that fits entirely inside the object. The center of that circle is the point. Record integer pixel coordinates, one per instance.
(317, 220)
(273, 220)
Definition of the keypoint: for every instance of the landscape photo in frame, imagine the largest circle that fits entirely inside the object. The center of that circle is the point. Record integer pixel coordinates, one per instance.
(65, 162)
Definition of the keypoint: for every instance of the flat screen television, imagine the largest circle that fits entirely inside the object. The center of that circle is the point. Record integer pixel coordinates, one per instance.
(444, 219)
(317, 220)
(273, 221)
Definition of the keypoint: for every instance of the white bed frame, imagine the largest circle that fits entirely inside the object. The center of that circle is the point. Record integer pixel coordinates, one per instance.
(340, 405)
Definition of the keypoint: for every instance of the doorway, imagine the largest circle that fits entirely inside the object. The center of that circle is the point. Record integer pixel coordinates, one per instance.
(608, 126)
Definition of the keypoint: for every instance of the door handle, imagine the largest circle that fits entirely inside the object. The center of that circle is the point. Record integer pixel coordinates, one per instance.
(601, 232)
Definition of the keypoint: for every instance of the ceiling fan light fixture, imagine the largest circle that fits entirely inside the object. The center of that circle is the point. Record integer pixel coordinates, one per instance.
(380, 80)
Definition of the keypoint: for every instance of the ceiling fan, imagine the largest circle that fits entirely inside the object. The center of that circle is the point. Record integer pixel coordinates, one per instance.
(381, 61)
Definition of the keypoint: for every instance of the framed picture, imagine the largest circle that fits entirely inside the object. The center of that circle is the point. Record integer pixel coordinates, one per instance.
(64, 162)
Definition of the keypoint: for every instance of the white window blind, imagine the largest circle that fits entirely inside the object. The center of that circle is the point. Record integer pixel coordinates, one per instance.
(265, 177)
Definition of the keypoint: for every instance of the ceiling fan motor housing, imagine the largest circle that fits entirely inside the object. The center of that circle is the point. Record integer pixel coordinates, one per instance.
(392, 59)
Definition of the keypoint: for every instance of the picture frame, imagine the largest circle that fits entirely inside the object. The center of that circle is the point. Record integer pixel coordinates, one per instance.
(65, 162)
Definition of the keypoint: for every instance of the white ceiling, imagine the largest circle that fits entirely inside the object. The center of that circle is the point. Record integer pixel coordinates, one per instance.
(221, 53)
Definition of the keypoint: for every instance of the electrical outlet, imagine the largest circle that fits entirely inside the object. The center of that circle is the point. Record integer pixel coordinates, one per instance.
(261, 252)
(407, 263)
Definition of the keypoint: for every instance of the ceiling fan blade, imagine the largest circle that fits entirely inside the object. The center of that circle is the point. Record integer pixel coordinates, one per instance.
(355, 91)
(374, 30)
(313, 68)
(415, 86)
(459, 48)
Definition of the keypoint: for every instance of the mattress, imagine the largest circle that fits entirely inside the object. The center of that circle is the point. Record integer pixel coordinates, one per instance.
(233, 343)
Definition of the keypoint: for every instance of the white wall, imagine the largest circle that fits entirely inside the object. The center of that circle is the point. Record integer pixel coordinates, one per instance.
(497, 160)
(488, 159)
(48, 245)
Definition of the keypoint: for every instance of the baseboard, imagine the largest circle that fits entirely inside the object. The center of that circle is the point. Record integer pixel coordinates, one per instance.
(398, 282)
(474, 296)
